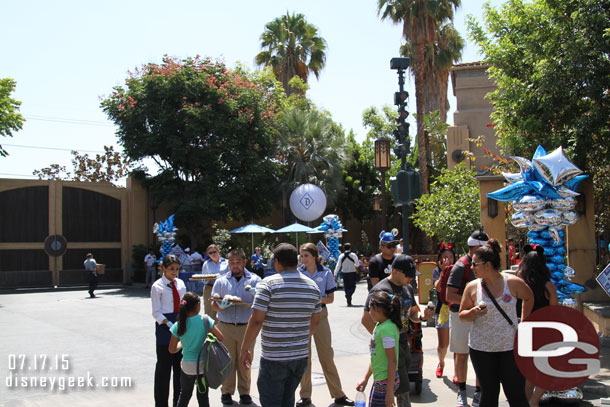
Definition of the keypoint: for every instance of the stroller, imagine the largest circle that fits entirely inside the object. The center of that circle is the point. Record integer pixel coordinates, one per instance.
(417, 356)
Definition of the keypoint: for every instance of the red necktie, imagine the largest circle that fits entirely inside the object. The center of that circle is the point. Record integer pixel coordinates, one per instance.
(176, 296)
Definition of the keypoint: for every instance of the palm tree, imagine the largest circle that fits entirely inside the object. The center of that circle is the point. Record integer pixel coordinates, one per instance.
(439, 57)
(292, 47)
(420, 20)
(312, 148)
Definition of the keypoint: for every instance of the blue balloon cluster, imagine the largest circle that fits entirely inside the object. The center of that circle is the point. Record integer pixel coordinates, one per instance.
(166, 234)
(543, 196)
(333, 230)
(555, 255)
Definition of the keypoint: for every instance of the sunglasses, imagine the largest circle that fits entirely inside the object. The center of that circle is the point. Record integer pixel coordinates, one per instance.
(391, 245)
(474, 264)
(214, 252)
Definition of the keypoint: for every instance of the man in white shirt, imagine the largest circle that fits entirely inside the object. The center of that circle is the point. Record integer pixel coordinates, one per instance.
(215, 265)
(196, 261)
(150, 265)
(347, 264)
(186, 260)
(91, 270)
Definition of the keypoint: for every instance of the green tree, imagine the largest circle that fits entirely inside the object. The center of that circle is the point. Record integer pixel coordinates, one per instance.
(361, 182)
(211, 131)
(439, 57)
(110, 166)
(450, 212)
(292, 47)
(550, 64)
(311, 149)
(420, 20)
(10, 118)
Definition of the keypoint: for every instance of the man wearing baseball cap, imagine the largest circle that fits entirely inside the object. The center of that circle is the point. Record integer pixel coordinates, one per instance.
(399, 283)
(380, 265)
(458, 278)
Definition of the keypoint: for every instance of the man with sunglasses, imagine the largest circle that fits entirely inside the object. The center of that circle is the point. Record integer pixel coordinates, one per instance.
(214, 265)
(461, 274)
(380, 265)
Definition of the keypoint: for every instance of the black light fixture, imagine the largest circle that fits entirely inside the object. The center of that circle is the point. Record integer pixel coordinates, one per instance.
(492, 207)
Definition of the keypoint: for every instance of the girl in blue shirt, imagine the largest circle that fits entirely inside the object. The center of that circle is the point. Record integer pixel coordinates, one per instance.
(190, 331)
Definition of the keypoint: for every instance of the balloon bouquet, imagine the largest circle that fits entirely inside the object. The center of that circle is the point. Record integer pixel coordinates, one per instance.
(166, 233)
(543, 196)
(332, 227)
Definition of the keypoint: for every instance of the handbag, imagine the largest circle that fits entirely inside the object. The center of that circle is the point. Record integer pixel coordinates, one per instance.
(495, 302)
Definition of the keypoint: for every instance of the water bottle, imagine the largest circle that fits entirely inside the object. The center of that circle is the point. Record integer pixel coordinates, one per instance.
(360, 399)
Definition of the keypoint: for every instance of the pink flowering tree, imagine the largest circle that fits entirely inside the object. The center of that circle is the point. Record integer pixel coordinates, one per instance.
(211, 131)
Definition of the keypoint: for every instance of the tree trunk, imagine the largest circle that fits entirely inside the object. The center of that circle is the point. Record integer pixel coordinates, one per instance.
(422, 144)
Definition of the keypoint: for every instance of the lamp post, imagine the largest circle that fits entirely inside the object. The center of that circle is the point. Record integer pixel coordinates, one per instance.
(383, 163)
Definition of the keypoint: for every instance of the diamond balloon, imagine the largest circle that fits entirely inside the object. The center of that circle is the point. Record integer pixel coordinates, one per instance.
(535, 227)
(556, 168)
(569, 272)
(563, 204)
(570, 217)
(521, 219)
(548, 217)
(529, 203)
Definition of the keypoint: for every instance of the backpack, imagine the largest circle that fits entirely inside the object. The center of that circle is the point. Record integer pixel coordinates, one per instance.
(214, 362)
(444, 277)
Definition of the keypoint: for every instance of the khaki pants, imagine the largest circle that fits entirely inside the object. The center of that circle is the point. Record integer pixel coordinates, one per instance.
(207, 305)
(234, 336)
(326, 355)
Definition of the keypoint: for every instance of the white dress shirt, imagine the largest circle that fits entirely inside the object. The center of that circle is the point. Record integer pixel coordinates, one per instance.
(162, 297)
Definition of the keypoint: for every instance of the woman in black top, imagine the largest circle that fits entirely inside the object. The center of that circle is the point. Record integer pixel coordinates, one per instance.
(534, 271)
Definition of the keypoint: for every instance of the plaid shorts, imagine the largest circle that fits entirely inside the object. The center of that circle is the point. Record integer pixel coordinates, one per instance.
(378, 391)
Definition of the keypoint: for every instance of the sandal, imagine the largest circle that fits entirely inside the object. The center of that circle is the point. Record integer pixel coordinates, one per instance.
(439, 371)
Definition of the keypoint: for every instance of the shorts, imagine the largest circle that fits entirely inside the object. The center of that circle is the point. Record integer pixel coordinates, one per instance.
(437, 325)
(459, 332)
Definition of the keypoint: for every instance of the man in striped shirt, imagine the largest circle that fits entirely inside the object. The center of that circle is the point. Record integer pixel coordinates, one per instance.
(287, 307)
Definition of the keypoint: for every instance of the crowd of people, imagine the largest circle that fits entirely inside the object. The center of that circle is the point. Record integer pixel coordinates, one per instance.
(476, 316)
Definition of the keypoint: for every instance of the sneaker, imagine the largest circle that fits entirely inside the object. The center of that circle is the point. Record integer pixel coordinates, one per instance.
(476, 399)
(226, 399)
(304, 402)
(462, 400)
(245, 399)
(344, 401)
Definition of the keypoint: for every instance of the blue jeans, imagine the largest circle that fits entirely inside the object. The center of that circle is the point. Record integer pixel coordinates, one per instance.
(278, 381)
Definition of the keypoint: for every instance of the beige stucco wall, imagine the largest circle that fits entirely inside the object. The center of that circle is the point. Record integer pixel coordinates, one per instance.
(471, 119)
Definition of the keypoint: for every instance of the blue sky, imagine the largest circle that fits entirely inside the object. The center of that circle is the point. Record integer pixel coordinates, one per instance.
(66, 55)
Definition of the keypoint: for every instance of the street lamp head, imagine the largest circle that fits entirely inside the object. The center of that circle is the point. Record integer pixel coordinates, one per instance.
(382, 154)
(400, 63)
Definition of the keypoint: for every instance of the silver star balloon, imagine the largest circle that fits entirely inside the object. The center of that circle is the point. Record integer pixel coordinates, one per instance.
(556, 168)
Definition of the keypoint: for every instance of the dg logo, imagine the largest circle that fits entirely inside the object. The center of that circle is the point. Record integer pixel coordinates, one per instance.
(557, 348)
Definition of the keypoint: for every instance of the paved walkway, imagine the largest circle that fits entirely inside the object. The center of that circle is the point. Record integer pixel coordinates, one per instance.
(112, 337)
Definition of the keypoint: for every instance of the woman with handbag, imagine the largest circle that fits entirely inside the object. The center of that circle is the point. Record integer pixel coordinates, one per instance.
(490, 303)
